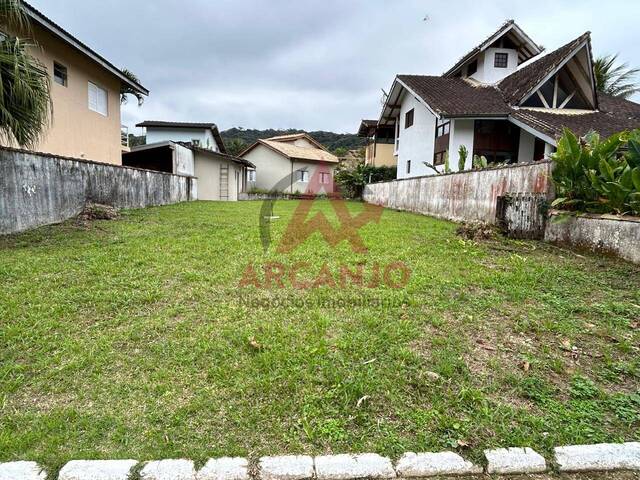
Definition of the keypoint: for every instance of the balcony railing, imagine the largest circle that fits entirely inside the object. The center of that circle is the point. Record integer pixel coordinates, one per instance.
(124, 135)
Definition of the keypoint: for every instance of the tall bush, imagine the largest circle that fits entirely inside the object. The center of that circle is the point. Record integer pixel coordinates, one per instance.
(353, 180)
(598, 176)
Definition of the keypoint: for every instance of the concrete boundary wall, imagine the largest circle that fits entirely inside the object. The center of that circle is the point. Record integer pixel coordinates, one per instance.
(40, 189)
(462, 196)
(599, 233)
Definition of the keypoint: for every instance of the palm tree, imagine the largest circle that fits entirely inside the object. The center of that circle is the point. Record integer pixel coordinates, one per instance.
(616, 80)
(236, 146)
(127, 90)
(25, 102)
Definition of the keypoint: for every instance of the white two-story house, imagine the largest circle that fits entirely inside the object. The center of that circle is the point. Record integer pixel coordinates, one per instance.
(505, 100)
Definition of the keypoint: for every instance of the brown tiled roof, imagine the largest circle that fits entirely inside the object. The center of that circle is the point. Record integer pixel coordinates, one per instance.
(521, 82)
(455, 97)
(300, 153)
(615, 115)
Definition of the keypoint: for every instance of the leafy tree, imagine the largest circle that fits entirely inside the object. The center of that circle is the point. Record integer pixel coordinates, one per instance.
(615, 79)
(25, 101)
(236, 146)
(330, 140)
(341, 151)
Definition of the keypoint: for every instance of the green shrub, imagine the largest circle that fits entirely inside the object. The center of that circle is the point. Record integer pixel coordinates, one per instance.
(599, 176)
(353, 180)
(462, 157)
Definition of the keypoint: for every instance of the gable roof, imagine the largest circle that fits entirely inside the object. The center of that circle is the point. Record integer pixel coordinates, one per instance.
(296, 136)
(527, 79)
(510, 28)
(57, 31)
(614, 115)
(188, 126)
(293, 152)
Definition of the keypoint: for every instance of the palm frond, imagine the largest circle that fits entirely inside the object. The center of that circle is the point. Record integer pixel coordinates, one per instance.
(12, 13)
(614, 78)
(25, 103)
(126, 90)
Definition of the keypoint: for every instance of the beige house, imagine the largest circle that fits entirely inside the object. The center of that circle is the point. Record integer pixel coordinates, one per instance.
(293, 164)
(85, 93)
(379, 151)
(221, 177)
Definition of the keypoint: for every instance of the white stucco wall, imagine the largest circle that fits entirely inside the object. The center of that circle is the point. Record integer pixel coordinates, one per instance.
(417, 141)
(527, 147)
(207, 169)
(271, 167)
(461, 133)
(157, 134)
(487, 72)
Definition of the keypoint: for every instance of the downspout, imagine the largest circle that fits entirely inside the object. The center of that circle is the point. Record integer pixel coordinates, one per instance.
(291, 178)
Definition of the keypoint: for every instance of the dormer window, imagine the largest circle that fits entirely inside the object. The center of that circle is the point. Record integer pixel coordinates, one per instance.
(501, 60)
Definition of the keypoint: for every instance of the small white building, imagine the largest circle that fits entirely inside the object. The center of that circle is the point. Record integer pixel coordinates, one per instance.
(204, 135)
(292, 164)
(504, 100)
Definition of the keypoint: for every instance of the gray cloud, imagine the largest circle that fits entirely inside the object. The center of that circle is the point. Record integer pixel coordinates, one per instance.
(312, 64)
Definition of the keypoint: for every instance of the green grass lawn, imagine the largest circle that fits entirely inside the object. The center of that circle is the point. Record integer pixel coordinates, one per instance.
(132, 339)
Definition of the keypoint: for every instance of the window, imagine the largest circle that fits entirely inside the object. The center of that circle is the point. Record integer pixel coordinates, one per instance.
(304, 176)
(438, 158)
(408, 166)
(251, 175)
(501, 60)
(443, 129)
(408, 118)
(60, 74)
(325, 178)
(472, 68)
(195, 142)
(97, 99)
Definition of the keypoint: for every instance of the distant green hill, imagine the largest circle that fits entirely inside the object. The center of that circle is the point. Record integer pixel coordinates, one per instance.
(330, 140)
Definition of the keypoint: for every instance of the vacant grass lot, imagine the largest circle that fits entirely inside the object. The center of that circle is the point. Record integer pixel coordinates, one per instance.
(131, 338)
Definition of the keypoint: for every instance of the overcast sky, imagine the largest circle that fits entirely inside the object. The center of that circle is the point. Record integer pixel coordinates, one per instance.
(315, 65)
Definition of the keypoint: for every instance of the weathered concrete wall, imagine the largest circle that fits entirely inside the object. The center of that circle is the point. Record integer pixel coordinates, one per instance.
(464, 196)
(600, 233)
(39, 189)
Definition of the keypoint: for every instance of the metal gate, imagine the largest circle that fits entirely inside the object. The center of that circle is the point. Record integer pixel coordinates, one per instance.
(522, 215)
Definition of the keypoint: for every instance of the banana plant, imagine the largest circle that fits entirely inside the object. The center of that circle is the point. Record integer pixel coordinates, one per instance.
(600, 176)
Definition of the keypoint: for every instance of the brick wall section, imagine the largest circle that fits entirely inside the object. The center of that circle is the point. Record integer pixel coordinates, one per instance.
(40, 189)
(465, 196)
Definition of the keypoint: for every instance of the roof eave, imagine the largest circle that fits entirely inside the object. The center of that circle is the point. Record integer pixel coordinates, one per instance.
(78, 45)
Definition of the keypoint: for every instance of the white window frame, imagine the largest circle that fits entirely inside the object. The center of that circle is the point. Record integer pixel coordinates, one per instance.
(64, 81)
(95, 106)
(322, 177)
(251, 175)
(304, 176)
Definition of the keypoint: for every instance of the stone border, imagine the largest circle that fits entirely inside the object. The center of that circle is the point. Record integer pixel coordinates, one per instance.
(514, 460)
